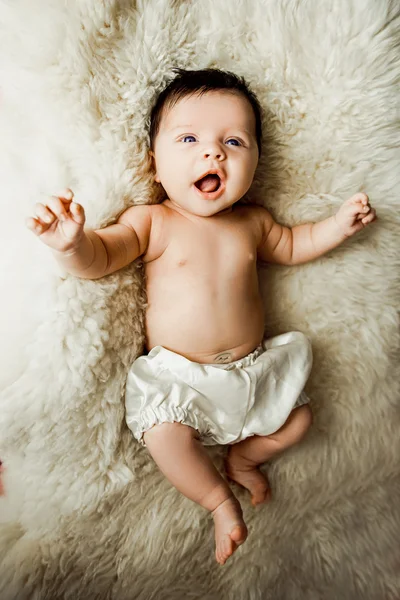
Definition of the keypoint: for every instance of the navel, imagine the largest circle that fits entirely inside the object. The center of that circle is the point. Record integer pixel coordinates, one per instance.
(224, 357)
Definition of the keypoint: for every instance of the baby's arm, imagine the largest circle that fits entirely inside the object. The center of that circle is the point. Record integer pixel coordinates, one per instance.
(306, 242)
(90, 254)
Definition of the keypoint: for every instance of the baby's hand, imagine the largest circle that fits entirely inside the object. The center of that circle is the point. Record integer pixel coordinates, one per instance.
(355, 214)
(59, 223)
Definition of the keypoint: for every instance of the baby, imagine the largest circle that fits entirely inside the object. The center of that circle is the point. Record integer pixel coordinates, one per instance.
(209, 376)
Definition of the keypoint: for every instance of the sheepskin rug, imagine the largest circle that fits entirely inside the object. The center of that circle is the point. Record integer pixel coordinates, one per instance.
(87, 514)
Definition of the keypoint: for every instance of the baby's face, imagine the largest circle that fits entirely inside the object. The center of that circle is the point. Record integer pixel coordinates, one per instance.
(215, 131)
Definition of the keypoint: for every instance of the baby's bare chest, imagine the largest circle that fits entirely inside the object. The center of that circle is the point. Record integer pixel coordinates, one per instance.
(225, 251)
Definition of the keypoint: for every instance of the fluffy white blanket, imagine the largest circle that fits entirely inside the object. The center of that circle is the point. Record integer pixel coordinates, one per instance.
(87, 514)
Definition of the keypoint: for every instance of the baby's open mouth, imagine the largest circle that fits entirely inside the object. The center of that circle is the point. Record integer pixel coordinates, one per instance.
(208, 183)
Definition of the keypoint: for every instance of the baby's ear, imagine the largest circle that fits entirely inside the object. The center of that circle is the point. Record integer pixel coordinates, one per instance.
(153, 165)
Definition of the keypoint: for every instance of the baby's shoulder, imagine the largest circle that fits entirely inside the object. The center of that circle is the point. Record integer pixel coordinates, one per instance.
(250, 213)
(159, 236)
(148, 212)
(253, 218)
(147, 220)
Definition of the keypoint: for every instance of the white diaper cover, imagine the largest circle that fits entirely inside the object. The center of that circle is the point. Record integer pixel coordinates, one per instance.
(225, 403)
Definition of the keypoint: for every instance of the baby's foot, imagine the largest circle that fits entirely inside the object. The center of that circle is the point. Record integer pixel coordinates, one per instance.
(230, 529)
(250, 477)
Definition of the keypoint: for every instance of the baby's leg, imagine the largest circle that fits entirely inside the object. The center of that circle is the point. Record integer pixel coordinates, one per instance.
(182, 458)
(244, 457)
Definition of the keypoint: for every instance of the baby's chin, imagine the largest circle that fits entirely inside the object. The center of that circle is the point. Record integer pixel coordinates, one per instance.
(204, 208)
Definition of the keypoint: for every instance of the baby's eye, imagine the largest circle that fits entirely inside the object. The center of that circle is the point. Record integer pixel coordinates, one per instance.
(236, 142)
(188, 136)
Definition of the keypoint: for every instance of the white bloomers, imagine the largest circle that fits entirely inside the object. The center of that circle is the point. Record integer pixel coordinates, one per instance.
(225, 403)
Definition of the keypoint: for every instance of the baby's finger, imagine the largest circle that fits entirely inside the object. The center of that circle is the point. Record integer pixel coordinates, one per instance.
(370, 217)
(57, 206)
(43, 213)
(34, 225)
(359, 197)
(364, 211)
(356, 209)
(77, 212)
(66, 194)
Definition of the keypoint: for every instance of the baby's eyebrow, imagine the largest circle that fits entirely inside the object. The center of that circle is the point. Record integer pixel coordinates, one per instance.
(189, 126)
(180, 127)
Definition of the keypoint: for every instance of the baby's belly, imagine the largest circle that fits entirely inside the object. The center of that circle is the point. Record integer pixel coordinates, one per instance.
(205, 328)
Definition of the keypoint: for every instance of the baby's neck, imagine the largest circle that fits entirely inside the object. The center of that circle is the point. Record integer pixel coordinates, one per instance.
(189, 214)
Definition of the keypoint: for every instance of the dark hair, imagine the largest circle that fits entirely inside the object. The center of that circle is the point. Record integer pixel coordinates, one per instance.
(187, 83)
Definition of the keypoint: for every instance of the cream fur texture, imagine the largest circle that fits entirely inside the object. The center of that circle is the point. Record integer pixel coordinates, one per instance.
(87, 514)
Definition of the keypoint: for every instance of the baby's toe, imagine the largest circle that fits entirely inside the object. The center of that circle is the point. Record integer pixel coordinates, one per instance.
(219, 555)
(224, 550)
(229, 546)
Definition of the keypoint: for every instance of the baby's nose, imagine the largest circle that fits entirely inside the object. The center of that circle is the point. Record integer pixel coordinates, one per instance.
(214, 153)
